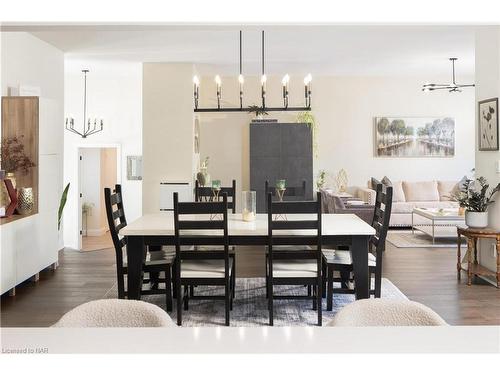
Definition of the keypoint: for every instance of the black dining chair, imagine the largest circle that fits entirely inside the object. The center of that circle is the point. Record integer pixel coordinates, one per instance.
(154, 262)
(341, 260)
(294, 267)
(206, 194)
(214, 267)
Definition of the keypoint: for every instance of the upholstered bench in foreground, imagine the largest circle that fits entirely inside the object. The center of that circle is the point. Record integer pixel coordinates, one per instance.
(386, 312)
(115, 313)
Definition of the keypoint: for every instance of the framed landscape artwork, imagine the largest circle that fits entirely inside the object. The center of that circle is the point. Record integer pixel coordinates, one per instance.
(488, 124)
(414, 136)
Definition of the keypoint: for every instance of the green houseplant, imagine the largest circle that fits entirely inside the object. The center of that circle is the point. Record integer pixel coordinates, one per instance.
(258, 111)
(475, 196)
(62, 203)
(308, 118)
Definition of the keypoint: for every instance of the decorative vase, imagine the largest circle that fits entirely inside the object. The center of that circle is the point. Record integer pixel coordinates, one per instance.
(248, 202)
(26, 200)
(476, 219)
(203, 177)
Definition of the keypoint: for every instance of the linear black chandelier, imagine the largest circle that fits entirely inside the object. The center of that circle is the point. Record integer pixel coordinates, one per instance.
(263, 81)
(451, 87)
(89, 126)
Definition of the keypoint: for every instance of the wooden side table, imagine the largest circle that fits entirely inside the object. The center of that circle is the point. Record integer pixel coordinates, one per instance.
(473, 267)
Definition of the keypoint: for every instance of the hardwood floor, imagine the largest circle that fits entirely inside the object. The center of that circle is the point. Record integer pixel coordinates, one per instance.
(92, 243)
(426, 275)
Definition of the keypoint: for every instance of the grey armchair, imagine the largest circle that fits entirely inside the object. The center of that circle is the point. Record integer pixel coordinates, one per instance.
(336, 204)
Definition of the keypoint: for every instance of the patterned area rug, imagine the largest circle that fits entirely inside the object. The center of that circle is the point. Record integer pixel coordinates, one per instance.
(250, 305)
(419, 239)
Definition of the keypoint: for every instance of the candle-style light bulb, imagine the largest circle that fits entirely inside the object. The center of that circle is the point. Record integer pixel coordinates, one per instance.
(218, 82)
(196, 90)
(285, 81)
(241, 80)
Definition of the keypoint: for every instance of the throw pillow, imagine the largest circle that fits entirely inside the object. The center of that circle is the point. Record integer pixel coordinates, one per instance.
(421, 191)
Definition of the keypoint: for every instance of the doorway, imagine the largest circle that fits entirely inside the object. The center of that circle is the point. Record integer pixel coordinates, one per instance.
(97, 169)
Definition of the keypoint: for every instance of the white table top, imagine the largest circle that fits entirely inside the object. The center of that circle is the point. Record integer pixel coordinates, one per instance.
(162, 224)
(447, 214)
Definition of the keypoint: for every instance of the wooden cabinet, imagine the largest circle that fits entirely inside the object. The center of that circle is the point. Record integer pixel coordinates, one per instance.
(29, 243)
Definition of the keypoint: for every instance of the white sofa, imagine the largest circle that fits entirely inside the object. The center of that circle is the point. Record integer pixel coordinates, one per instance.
(410, 194)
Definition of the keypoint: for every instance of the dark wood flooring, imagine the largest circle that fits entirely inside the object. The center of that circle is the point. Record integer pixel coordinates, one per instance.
(426, 275)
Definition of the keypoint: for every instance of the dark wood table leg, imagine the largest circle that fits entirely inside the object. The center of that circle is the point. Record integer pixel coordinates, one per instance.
(359, 252)
(135, 255)
(459, 255)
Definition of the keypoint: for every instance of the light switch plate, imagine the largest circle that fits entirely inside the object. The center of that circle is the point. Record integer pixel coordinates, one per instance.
(498, 166)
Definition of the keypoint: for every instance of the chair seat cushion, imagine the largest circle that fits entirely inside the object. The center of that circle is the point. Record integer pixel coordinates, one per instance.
(204, 268)
(295, 268)
(290, 248)
(344, 257)
(156, 258)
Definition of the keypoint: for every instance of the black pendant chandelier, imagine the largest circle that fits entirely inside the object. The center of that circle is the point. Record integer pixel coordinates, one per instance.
(263, 83)
(90, 126)
(451, 87)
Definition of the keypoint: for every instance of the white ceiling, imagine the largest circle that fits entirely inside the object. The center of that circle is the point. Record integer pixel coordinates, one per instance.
(296, 49)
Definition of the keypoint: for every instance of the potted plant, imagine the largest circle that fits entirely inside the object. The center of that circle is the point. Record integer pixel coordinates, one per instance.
(202, 176)
(321, 181)
(258, 111)
(475, 196)
(308, 118)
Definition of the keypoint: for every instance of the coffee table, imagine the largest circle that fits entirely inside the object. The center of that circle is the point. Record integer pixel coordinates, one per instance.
(440, 223)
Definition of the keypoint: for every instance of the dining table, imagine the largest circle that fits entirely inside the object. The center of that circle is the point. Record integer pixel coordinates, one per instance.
(157, 229)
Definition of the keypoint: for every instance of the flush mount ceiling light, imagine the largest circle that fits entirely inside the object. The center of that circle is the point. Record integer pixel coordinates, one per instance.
(263, 84)
(451, 87)
(90, 126)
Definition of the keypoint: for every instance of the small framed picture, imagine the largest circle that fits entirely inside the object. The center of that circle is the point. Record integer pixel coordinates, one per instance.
(488, 124)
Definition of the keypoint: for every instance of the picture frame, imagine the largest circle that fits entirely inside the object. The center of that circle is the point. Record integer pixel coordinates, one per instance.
(487, 112)
(414, 137)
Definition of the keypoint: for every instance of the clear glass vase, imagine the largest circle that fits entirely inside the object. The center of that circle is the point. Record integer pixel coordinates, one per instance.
(248, 202)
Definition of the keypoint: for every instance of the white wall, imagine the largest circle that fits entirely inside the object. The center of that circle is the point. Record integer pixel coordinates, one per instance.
(114, 93)
(488, 86)
(27, 60)
(344, 108)
(168, 128)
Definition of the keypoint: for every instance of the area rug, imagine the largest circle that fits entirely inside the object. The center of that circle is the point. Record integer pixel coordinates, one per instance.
(250, 305)
(406, 239)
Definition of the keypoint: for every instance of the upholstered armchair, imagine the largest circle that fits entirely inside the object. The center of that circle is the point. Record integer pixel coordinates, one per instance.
(333, 203)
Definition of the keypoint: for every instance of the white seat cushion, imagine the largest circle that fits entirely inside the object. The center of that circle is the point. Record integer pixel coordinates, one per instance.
(295, 268)
(204, 268)
(407, 207)
(344, 257)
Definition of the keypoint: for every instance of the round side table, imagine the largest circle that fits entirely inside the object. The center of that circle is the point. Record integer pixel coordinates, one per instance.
(473, 267)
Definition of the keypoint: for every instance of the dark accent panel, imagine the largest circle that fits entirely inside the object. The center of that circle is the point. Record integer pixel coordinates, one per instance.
(280, 151)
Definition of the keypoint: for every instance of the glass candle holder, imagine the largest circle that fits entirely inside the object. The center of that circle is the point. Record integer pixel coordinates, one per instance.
(216, 184)
(280, 184)
(248, 201)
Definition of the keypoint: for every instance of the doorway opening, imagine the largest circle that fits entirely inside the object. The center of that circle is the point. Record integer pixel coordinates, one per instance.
(97, 169)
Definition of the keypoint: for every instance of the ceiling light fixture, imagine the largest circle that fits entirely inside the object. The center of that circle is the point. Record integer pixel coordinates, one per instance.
(263, 89)
(452, 87)
(89, 126)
